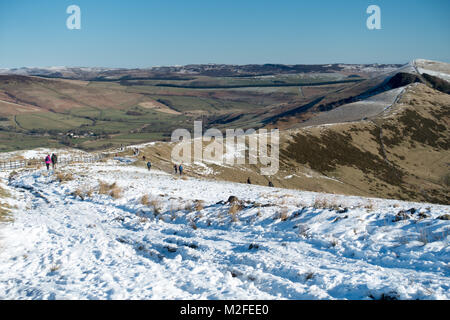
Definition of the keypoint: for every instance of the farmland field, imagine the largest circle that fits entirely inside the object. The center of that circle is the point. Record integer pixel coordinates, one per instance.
(49, 120)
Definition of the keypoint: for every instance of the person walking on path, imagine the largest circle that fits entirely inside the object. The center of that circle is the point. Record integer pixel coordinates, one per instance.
(175, 167)
(54, 159)
(149, 165)
(48, 160)
(180, 169)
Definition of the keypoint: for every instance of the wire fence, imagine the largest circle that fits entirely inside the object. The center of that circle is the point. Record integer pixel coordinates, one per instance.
(24, 163)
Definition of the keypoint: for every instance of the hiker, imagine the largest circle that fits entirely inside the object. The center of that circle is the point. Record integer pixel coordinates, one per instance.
(270, 184)
(248, 181)
(149, 165)
(180, 168)
(54, 159)
(175, 167)
(48, 160)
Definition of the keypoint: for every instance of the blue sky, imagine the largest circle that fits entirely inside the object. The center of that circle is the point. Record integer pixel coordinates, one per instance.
(144, 33)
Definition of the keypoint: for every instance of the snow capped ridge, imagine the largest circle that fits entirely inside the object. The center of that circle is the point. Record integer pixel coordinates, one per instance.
(421, 60)
(51, 69)
(186, 242)
(434, 68)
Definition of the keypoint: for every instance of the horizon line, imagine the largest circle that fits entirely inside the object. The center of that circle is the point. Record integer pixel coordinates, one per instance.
(211, 64)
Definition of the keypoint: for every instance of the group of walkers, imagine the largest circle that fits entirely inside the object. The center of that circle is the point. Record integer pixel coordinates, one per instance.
(177, 168)
(51, 160)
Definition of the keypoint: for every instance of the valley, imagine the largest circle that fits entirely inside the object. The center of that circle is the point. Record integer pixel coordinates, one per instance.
(385, 135)
(107, 108)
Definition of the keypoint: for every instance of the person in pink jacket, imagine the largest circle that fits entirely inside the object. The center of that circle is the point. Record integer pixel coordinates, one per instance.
(48, 160)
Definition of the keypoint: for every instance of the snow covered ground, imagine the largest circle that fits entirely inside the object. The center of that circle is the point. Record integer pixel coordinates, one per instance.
(434, 68)
(40, 153)
(356, 111)
(68, 241)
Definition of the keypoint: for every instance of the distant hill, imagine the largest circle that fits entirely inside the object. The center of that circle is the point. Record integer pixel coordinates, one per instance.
(183, 72)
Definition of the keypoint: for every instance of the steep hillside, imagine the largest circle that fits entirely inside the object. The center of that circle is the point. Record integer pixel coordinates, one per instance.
(61, 96)
(358, 97)
(402, 154)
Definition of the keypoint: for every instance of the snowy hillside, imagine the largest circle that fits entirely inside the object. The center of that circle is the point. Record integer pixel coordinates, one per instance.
(115, 231)
(435, 68)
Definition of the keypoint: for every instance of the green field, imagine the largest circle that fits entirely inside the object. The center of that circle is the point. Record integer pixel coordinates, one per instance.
(49, 120)
(200, 82)
(187, 103)
(95, 128)
(17, 141)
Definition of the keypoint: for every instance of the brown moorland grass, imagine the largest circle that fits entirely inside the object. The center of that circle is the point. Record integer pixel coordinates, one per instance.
(145, 200)
(116, 193)
(112, 189)
(64, 176)
(4, 193)
(199, 205)
(4, 207)
(283, 214)
(234, 209)
(152, 202)
(155, 203)
(5, 212)
(105, 188)
(83, 192)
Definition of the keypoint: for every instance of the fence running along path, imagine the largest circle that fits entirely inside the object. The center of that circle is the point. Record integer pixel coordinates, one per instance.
(23, 163)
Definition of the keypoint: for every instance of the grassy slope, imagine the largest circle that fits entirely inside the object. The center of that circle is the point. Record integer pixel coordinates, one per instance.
(407, 161)
(349, 158)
